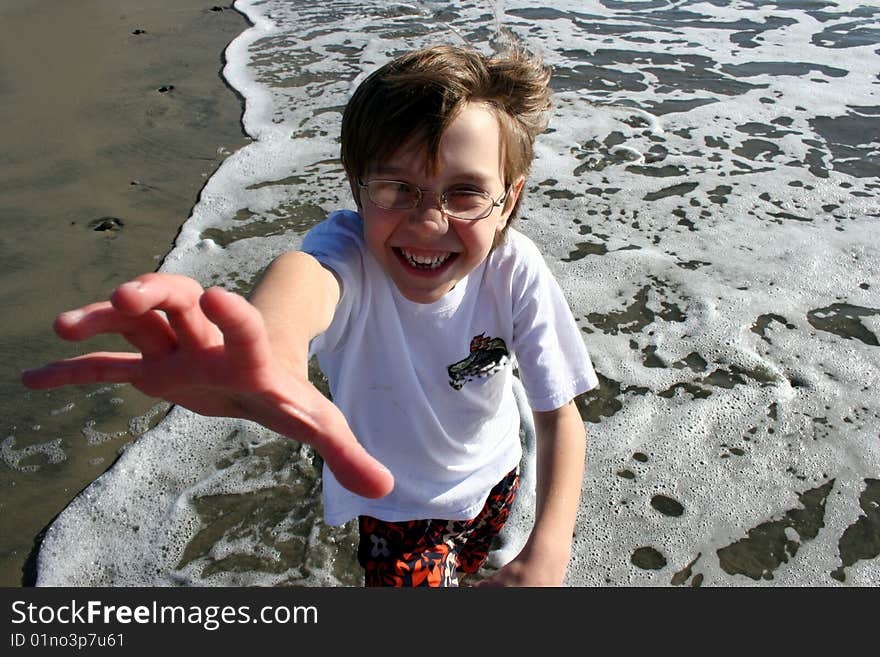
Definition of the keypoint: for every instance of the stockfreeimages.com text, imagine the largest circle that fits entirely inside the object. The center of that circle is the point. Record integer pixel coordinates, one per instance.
(211, 617)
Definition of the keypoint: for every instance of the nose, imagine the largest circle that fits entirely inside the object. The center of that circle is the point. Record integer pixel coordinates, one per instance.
(429, 211)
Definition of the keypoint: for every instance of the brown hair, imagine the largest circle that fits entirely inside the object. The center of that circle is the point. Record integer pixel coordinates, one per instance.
(417, 95)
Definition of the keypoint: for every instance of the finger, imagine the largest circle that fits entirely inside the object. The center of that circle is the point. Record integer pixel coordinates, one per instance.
(176, 296)
(99, 367)
(490, 582)
(355, 469)
(246, 344)
(347, 459)
(149, 333)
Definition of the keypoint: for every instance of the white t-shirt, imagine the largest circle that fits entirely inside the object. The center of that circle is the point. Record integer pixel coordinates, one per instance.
(427, 388)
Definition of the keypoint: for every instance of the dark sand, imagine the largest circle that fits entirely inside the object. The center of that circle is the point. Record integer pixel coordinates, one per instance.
(102, 127)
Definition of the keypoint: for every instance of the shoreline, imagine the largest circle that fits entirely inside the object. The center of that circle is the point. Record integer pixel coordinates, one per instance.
(114, 130)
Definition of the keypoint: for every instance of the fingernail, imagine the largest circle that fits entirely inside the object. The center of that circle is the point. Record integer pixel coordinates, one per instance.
(132, 285)
(72, 316)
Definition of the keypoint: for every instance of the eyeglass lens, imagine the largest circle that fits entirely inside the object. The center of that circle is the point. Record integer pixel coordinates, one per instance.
(463, 204)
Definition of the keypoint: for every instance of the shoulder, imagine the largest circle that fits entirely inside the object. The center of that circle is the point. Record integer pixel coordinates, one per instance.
(338, 243)
(339, 227)
(518, 259)
(517, 248)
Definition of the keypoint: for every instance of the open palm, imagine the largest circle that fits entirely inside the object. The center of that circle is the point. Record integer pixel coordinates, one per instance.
(208, 350)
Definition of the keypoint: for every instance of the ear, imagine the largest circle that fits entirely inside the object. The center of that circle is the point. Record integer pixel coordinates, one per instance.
(511, 201)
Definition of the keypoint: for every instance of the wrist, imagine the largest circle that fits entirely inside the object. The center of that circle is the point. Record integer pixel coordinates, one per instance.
(548, 556)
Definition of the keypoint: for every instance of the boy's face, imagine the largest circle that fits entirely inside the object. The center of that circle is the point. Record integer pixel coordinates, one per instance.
(425, 252)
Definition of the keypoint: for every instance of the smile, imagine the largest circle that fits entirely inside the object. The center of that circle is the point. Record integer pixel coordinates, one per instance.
(424, 260)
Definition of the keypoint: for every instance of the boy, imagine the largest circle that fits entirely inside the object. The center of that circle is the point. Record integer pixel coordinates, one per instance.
(418, 306)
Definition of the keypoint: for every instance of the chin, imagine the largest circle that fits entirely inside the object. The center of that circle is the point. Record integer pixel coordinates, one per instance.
(424, 296)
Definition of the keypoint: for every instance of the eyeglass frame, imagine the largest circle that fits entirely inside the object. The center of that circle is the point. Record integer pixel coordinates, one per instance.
(441, 197)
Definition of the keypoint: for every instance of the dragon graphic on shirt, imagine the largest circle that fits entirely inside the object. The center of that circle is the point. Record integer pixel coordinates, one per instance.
(487, 356)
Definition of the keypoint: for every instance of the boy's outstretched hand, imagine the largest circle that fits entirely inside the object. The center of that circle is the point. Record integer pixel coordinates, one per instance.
(208, 350)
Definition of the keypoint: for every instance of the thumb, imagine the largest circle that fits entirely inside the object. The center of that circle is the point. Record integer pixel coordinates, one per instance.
(353, 467)
(356, 470)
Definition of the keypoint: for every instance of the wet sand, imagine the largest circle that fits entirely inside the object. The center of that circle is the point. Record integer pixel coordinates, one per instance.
(114, 115)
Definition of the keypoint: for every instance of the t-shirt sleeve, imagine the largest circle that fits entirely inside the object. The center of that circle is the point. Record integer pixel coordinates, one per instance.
(554, 363)
(337, 243)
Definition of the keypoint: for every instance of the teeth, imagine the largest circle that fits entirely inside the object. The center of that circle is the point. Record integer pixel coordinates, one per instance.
(425, 262)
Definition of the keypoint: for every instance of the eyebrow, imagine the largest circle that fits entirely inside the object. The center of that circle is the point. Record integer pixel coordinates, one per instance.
(389, 171)
(404, 175)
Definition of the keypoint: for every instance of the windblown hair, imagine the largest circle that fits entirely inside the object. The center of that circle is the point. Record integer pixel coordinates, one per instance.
(414, 98)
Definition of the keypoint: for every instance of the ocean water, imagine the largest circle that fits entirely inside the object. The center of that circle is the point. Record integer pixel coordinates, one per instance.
(706, 195)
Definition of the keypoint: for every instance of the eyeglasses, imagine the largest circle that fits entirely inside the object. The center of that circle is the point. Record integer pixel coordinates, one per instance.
(467, 204)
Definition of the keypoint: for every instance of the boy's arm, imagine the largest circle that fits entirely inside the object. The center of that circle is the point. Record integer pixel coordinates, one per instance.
(561, 448)
(297, 298)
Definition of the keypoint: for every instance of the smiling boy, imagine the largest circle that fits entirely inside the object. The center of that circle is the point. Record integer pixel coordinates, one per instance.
(419, 306)
(424, 251)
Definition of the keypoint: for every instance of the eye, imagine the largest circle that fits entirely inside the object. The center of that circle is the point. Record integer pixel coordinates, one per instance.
(390, 187)
(392, 194)
(466, 197)
(465, 189)
(467, 204)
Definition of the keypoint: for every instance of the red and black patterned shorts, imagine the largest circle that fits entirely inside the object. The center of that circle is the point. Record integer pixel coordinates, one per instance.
(432, 552)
